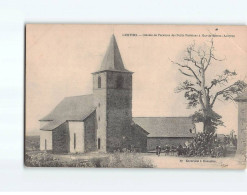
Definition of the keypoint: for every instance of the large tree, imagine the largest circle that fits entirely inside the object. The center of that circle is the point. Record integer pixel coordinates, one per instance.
(202, 89)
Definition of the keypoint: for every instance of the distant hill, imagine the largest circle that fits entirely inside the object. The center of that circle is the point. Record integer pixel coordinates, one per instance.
(32, 142)
(32, 132)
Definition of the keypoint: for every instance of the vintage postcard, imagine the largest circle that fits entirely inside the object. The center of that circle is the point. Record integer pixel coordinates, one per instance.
(135, 96)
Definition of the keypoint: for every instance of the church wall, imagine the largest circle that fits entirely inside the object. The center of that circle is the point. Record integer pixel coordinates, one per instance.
(90, 133)
(76, 134)
(45, 140)
(103, 80)
(100, 104)
(242, 128)
(152, 142)
(119, 119)
(139, 139)
(119, 111)
(60, 139)
(113, 77)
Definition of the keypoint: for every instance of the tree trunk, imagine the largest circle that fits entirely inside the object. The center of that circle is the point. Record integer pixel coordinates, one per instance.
(207, 124)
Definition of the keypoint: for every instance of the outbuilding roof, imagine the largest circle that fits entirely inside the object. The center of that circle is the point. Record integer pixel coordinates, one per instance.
(166, 126)
(70, 108)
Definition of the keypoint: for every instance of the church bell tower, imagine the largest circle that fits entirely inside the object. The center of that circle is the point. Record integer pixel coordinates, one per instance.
(112, 90)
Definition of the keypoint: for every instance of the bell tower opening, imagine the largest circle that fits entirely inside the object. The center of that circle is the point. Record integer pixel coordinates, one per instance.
(119, 82)
(99, 82)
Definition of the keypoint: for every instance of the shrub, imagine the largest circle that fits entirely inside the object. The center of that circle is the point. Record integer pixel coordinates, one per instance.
(205, 144)
(43, 159)
(122, 160)
(113, 160)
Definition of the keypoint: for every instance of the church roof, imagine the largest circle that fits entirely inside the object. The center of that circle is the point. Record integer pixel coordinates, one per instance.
(112, 60)
(70, 108)
(241, 97)
(166, 126)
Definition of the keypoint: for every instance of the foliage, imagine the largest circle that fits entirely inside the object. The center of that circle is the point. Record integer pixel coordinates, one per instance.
(114, 160)
(206, 144)
(43, 159)
(215, 119)
(203, 144)
(123, 160)
(199, 90)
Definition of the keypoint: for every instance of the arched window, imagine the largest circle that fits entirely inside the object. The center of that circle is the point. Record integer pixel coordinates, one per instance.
(98, 143)
(74, 140)
(99, 82)
(45, 144)
(119, 82)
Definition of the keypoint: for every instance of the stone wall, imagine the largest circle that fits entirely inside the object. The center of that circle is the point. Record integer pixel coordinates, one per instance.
(45, 140)
(242, 128)
(113, 102)
(60, 139)
(119, 110)
(139, 139)
(90, 133)
(100, 105)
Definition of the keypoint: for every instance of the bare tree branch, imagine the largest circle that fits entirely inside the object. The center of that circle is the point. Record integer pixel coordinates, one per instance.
(189, 68)
(193, 61)
(189, 75)
(195, 64)
(210, 55)
(227, 92)
(222, 79)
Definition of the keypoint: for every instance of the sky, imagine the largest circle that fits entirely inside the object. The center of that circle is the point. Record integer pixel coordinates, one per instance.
(61, 57)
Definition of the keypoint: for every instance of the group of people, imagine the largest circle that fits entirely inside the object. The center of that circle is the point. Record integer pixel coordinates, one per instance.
(217, 150)
(203, 144)
(230, 140)
(158, 150)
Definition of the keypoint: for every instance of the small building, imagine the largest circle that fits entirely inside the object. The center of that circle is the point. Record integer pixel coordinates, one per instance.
(242, 124)
(171, 131)
(70, 126)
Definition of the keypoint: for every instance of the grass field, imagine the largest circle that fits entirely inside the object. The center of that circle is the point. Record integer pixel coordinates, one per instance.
(109, 160)
(32, 143)
(36, 158)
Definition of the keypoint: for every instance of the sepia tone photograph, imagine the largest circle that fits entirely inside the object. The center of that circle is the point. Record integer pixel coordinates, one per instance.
(135, 96)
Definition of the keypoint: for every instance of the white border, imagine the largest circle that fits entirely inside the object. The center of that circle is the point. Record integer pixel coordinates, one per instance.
(13, 16)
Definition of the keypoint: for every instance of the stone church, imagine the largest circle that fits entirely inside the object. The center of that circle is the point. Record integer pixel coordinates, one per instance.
(103, 120)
